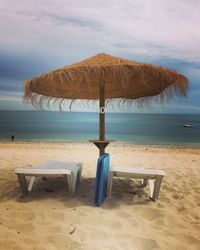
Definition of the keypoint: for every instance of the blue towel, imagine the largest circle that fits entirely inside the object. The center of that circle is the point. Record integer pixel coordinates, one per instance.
(101, 179)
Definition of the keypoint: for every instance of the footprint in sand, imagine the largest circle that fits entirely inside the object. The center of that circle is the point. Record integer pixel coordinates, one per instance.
(25, 216)
(49, 246)
(60, 216)
(23, 227)
(150, 213)
(129, 218)
(55, 242)
(123, 215)
(114, 224)
(140, 243)
(189, 239)
(55, 229)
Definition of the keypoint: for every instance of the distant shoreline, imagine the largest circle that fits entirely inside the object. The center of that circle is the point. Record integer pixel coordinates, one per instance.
(114, 144)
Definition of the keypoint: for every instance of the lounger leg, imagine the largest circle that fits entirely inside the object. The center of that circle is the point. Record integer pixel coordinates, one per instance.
(30, 186)
(23, 184)
(110, 181)
(79, 174)
(144, 182)
(151, 187)
(69, 184)
(157, 187)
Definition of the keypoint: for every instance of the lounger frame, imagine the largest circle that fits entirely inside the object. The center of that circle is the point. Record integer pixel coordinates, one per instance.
(149, 176)
(71, 171)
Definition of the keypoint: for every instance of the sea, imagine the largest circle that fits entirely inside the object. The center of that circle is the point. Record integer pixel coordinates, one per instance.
(127, 128)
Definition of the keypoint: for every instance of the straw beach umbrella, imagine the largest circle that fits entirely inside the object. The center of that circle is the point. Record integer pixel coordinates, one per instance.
(103, 77)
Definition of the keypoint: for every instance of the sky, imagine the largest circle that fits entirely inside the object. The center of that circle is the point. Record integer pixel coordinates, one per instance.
(41, 35)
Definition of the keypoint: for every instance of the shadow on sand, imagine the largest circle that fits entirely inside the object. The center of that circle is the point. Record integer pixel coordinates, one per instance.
(124, 192)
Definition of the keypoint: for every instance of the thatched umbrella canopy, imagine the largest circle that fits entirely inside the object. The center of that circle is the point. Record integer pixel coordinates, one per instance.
(105, 77)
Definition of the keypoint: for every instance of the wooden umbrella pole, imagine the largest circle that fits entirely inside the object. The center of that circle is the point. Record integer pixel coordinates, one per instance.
(101, 143)
(102, 115)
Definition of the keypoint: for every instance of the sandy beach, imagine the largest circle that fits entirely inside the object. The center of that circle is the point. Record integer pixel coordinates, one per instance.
(49, 219)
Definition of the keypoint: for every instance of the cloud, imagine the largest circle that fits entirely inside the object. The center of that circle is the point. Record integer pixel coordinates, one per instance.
(180, 108)
(10, 95)
(10, 85)
(38, 36)
(13, 105)
(18, 66)
(11, 100)
(75, 29)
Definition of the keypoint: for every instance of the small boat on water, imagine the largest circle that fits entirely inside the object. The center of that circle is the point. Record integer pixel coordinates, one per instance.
(187, 126)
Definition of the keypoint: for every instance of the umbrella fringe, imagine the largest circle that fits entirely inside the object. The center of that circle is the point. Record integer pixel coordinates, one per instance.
(46, 102)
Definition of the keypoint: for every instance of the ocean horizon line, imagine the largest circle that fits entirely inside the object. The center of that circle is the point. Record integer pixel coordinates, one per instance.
(145, 129)
(108, 112)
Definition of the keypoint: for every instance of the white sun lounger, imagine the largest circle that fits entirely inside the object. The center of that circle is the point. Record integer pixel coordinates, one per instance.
(149, 176)
(69, 170)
